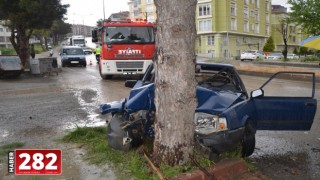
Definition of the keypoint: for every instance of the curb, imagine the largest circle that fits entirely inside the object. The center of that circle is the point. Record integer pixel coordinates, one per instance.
(268, 75)
(225, 169)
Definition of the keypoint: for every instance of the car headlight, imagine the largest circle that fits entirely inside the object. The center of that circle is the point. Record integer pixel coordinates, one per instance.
(208, 123)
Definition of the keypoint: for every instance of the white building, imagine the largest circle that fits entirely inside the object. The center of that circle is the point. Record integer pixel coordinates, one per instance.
(5, 34)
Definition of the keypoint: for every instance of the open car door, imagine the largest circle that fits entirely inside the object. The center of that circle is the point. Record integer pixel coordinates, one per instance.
(284, 108)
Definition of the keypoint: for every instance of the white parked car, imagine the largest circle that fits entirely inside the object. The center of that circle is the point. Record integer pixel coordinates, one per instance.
(275, 56)
(292, 56)
(252, 55)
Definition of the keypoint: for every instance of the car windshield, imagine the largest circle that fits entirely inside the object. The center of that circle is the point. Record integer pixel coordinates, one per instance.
(250, 51)
(219, 79)
(214, 78)
(73, 51)
(132, 35)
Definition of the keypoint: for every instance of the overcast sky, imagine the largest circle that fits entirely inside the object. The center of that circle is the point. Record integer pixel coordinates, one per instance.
(88, 12)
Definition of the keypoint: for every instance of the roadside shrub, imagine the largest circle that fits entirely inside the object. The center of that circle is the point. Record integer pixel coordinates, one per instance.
(8, 51)
(310, 59)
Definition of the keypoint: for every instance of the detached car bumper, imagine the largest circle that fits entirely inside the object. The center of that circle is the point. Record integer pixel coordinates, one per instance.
(221, 141)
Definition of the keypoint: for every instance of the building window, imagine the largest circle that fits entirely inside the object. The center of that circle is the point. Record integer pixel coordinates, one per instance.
(256, 16)
(1, 29)
(293, 39)
(149, 9)
(245, 2)
(246, 26)
(267, 6)
(204, 9)
(205, 25)
(225, 40)
(8, 39)
(292, 29)
(233, 24)
(238, 41)
(8, 30)
(257, 28)
(210, 40)
(246, 13)
(149, 1)
(245, 40)
(200, 41)
(212, 53)
(233, 9)
(2, 39)
(257, 3)
(226, 53)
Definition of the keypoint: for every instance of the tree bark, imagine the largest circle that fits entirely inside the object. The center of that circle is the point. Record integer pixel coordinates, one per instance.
(175, 97)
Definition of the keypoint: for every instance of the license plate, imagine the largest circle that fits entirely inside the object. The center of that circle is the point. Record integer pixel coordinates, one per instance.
(74, 62)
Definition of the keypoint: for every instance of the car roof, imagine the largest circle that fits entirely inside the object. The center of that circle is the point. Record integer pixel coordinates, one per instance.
(71, 47)
(214, 66)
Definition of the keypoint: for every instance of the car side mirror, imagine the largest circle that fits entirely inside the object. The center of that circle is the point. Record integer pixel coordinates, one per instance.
(257, 93)
(130, 83)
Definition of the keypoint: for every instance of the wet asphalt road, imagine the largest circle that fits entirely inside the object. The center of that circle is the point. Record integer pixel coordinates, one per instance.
(38, 109)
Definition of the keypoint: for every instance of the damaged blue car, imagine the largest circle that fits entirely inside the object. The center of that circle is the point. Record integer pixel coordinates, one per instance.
(225, 116)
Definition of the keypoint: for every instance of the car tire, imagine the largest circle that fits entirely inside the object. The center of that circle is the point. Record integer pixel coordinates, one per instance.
(116, 134)
(249, 141)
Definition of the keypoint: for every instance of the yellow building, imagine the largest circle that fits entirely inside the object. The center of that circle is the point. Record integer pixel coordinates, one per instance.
(294, 35)
(142, 9)
(225, 28)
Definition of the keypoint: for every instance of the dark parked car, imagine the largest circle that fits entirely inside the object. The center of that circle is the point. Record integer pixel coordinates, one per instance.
(72, 55)
(225, 115)
(10, 66)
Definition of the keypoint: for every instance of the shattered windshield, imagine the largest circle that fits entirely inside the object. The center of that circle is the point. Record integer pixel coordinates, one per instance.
(132, 35)
(219, 79)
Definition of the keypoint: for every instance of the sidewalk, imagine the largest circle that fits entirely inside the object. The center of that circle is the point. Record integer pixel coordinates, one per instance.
(224, 170)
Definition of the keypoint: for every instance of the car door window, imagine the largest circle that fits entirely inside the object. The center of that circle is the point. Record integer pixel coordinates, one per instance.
(280, 108)
(303, 84)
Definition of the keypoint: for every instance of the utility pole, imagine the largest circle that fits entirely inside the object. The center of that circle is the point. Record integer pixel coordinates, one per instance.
(104, 14)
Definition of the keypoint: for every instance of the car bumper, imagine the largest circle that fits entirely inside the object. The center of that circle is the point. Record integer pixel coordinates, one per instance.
(221, 141)
(74, 61)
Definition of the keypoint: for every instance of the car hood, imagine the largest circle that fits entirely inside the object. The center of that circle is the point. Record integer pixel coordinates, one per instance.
(215, 102)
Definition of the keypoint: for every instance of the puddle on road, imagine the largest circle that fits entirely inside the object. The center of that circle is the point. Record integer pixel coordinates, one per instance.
(88, 101)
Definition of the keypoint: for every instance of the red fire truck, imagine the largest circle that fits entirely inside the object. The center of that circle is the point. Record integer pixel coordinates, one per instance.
(127, 47)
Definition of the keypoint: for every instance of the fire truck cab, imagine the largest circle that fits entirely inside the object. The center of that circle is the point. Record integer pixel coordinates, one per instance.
(127, 47)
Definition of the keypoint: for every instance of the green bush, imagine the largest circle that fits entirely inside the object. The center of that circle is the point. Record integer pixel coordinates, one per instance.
(8, 51)
(311, 59)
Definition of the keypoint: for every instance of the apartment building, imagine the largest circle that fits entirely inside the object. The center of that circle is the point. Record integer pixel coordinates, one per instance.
(225, 28)
(5, 34)
(295, 36)
(142, 9)
(80, 29)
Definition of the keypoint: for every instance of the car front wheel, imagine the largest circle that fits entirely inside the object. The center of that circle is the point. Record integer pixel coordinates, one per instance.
(249, 140)
(117, 137)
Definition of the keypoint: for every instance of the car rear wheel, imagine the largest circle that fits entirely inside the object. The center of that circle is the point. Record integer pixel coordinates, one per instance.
(249, 140)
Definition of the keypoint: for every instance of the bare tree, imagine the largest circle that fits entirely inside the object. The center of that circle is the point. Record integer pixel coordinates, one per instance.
(175, 80)
(283, 29)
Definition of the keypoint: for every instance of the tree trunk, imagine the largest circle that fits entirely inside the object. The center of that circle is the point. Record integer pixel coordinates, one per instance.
(175, 97)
